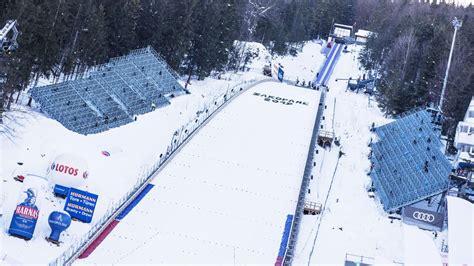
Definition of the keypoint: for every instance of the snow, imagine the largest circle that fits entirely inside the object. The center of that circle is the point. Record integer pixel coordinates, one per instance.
(352, 223)
(363, 33)
(419, 247)
(251, 154)
(37, 140)
(305, 65)
(205, 207)
(461, 231)
(34, 139)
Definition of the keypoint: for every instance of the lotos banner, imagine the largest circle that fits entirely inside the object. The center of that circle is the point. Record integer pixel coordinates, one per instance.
(68, 170)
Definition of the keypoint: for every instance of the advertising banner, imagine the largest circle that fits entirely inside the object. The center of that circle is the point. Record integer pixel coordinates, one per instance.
(277, 71)
(80, 204)
(58, 221)
(423, 218)
(280, 74)
(26, 215)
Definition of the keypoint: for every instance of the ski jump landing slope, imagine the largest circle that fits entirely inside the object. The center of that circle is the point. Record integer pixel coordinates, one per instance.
(226, 195)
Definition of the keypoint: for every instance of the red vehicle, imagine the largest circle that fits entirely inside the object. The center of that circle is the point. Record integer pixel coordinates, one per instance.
(19, 178)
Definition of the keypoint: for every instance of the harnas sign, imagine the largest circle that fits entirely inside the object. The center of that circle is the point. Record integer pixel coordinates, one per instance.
(276, 99)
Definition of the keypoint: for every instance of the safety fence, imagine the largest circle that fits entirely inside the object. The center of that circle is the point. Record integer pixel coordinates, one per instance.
(178, 140)
(290, 248)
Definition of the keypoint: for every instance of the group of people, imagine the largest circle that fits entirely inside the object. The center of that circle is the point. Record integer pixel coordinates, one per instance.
(309, 84)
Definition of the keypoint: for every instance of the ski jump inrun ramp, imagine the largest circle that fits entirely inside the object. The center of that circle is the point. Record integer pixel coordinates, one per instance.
(329, 65)
(226, 196)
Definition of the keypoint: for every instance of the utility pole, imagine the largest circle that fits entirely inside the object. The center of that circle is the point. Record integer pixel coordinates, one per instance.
(457, 25)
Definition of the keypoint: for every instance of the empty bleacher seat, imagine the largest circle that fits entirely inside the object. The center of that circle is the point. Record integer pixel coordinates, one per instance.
(399, 157)
(111, 94)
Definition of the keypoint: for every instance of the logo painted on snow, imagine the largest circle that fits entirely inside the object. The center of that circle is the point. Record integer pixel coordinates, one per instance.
(276, 99)
(422, 216)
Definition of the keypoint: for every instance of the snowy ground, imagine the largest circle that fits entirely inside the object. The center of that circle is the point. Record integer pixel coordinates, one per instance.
(352, 223)
(304, 66)
(35, 140)
(225, 197)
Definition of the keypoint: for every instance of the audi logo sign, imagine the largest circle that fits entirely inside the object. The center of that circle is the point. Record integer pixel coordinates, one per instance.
(422, 216)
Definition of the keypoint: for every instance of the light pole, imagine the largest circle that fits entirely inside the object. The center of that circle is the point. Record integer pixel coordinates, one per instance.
(457, 24)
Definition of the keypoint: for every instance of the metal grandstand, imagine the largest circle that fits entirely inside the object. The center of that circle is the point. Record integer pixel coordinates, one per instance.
(408, 164)
(112, 94)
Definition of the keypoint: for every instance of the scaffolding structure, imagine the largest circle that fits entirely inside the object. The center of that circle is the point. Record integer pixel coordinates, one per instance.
(112, 94)
(408, 164)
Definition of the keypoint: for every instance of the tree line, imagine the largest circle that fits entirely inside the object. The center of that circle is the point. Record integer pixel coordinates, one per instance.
(410, 51)
(62, 37)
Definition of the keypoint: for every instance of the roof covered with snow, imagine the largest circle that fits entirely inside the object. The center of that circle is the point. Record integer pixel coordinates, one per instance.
(408, 164)
(363, 33)
(469, 117)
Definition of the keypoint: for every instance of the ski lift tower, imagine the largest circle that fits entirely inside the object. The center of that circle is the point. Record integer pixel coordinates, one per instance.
(9, 44)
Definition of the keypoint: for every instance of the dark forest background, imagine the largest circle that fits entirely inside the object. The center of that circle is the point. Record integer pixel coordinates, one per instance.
(196, 37)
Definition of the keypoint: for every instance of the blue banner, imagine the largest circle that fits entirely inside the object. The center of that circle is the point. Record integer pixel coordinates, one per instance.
(80, 204)
(286, 236)
(280, 74)
(60, 191)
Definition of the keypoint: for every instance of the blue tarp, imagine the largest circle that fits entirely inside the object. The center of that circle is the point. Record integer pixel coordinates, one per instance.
(286, 235)
(134, 202)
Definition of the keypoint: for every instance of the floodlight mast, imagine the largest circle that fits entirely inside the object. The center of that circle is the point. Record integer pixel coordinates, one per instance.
(457, 25)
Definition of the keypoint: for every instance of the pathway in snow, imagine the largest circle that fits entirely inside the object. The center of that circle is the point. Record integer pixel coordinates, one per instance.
(226, 196)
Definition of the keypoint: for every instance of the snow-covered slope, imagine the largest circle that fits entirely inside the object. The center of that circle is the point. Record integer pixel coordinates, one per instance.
(35, 140)
(226, 195)
(352, 223)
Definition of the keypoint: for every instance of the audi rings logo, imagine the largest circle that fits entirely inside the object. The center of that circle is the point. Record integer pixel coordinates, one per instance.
(422, 216)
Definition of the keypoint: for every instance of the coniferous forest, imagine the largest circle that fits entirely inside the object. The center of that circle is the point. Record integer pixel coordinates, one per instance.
(409, 51)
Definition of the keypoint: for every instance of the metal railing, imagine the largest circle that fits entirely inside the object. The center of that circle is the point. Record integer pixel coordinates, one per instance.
(290, 249)
(179, 138)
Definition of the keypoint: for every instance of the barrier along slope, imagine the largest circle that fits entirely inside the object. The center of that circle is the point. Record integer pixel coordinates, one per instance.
(320, 80)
